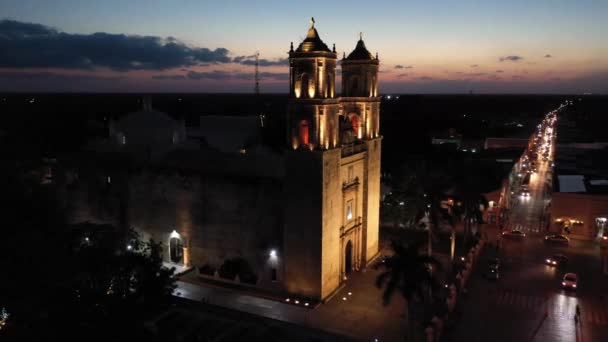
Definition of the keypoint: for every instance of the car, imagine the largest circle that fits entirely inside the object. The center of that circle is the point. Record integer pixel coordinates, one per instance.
(557, 238)
(557, 260)
(494, 263)
(570, 281)
(524, 193)
(515, 233)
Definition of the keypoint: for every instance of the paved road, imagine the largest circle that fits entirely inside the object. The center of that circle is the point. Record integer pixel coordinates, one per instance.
(527, 303)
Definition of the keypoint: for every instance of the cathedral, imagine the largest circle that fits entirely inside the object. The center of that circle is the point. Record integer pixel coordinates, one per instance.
(294, 222)
(333, 170)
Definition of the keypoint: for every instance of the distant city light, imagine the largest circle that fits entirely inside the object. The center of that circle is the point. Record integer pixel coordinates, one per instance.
(129, 247)
(273, 253)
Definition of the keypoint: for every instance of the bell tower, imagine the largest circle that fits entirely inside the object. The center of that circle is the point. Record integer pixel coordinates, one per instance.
(332, 168)
(360, 106)
(312, 114)
(360, 99)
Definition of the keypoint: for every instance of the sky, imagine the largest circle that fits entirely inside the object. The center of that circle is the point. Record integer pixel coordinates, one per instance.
(430, 46)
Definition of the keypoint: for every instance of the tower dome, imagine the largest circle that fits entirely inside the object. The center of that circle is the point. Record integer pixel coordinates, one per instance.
(360, 52)
(313, 42)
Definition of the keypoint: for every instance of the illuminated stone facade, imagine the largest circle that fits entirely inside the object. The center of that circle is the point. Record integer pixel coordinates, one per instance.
(333, 171)
(302, 218)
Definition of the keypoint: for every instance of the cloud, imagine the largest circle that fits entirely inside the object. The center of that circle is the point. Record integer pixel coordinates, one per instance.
(474, 65)
(399, 66)
(27, 45)
(548, 56)
(500, 71)
(168, 77)
(250, 60)
(512, 58)
(52, 76)
(227, 75)
(403, 75)
(424, 78)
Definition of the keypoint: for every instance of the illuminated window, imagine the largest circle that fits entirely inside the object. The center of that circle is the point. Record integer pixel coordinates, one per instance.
(349, 211)
(303, 134)
(354, 121)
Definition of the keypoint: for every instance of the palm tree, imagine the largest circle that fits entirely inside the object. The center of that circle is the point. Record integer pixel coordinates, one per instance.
(408, 273)
(424, 185)
(471, 182)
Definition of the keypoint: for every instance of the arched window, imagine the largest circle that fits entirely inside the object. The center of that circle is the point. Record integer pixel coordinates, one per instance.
(303, 132)
(304, 86)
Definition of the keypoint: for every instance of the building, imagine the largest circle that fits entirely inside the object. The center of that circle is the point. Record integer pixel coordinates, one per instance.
(294, 220)
(333, 169)
(579, 203)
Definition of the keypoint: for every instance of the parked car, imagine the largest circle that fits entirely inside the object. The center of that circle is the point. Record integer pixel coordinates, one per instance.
(558, 238)
(515, 233)
(570, 281)
(557, 260)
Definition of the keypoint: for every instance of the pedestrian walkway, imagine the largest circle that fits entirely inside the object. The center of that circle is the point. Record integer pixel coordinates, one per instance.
(529, 302)
(356, 311)
(596, 314)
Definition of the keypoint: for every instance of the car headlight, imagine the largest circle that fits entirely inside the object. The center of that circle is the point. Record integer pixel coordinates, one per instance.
(574, 285)
(563, 283)
(549, 260)
(554, 263)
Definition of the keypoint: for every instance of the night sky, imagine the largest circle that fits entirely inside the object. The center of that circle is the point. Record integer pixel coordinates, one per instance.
(539, 46)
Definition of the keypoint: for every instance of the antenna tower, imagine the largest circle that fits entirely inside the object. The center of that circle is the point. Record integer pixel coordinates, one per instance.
(256, 89)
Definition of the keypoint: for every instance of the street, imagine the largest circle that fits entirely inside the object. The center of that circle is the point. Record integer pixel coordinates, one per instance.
(528, 303)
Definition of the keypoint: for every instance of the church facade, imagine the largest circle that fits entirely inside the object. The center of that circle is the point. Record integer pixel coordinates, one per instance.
(333, 168)
(301, 219)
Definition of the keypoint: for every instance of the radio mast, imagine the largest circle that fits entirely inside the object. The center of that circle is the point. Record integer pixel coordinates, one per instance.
(256, 89)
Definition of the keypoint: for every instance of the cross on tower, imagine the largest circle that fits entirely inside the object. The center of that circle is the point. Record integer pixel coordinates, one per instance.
(312, 21)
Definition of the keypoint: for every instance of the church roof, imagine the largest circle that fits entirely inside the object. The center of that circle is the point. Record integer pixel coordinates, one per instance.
(360, 52)
(313, 42)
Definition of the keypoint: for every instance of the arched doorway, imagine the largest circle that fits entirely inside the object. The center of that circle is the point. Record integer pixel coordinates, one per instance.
(348, 258)
(176, 250)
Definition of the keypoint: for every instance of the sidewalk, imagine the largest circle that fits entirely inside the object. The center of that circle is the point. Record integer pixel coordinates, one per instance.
(355, 311)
